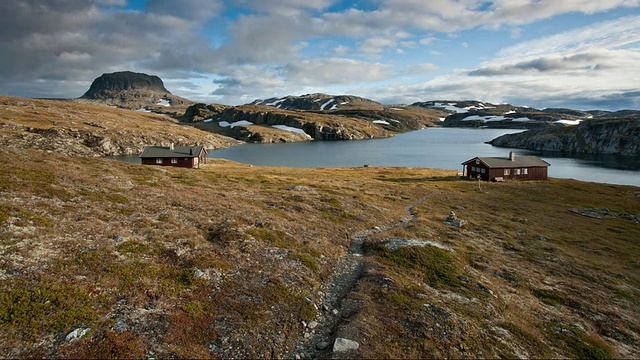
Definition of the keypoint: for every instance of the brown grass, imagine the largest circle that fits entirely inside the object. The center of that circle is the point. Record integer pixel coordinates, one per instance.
(527, 277)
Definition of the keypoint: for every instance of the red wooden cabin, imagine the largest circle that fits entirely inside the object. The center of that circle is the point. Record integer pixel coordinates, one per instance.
(178, 156)
(507, 168)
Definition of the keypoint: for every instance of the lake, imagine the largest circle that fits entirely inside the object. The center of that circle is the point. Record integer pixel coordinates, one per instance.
(444, 148)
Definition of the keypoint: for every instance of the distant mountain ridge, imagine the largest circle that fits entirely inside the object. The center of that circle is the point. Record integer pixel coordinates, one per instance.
(471, 113)
(320, 102)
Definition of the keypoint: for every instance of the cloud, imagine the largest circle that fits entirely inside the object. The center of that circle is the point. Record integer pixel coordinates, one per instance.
(421, 68)
(283, 7)
(187, 9)
(331, 71)
(585, 68)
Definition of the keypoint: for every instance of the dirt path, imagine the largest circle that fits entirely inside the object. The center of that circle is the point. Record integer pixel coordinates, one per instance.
(320, 333)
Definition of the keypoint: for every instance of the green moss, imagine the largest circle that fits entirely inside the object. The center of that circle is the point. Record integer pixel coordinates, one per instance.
(550, 297)
(580, 343)
(52, 308)
(520, 334)
(7, 211)
(306, 260)
(193, 309)
(436, 265)
(133, 246)
(117, 198)
(275, 238)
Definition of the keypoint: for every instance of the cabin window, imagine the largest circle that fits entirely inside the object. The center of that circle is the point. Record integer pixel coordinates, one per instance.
(506, 171)
(174, 161)
(159, 161)
(525, 171)
(483, 170)
(517, 172)
(473, 168)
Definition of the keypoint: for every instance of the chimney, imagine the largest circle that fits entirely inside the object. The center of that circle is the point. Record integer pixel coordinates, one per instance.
(512, 155)
(171, 146)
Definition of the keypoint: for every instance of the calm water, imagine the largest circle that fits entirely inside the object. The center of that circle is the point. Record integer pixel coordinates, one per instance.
(444, 148)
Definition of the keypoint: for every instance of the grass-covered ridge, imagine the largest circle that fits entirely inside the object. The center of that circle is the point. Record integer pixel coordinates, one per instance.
(230, 260)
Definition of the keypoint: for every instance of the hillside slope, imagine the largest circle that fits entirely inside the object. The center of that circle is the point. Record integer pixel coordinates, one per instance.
(231, 261)
(350, 123)
(92, 130)
(611, 136)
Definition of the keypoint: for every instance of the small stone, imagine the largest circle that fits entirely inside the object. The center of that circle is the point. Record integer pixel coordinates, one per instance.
(197, 274)
(77, 334)
(335, 311)
(312, 325)
(120, 326)
(342, 344)
(322, 345)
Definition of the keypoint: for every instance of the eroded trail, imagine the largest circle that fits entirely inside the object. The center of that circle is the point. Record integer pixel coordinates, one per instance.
(319, 334)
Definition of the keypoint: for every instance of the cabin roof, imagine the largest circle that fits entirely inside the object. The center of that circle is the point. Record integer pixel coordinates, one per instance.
(507, 163)
(176, 152)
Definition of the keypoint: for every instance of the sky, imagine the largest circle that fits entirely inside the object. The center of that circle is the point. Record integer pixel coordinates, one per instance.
(581, 54)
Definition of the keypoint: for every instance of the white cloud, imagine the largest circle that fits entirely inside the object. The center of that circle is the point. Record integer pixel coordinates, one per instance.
(421, 68)
(583, 67)
(335, 71)
(375, 45)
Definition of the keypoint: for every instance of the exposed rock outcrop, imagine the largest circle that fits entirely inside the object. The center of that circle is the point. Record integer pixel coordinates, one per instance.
(613, 136)
(132, 90)
(341, 124)
(317, 126)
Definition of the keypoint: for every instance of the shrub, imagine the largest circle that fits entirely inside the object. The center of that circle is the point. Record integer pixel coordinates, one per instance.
(436, 265)
(50, 308)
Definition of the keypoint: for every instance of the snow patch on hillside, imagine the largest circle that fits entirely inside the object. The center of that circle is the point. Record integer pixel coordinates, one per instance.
(291, 129)
(569, 122)
(232, 125)
(381, 122)
(322, 107)
(163, 102)
(276, 103)
(484, 118)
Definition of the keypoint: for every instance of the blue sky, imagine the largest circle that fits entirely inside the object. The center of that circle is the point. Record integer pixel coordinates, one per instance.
(581, 54)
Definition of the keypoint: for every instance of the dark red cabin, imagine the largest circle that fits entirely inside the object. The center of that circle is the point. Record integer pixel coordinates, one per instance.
(178, 156)
(507, 168)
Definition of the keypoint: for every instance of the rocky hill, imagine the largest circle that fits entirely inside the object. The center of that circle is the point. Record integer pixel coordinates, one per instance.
(506, 116)
(92, 130)
(135, 91)
(100, 258)
(595, 136)
(346, 123)
(320, 102)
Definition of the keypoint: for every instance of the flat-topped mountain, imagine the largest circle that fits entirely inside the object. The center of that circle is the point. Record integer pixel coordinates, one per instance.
(130, 90)
(104, 86)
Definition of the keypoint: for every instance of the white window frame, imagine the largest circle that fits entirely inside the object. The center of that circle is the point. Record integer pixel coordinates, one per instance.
(158, 160)
(525, 171)
(516, 171)
(507, 172)
(174, 160)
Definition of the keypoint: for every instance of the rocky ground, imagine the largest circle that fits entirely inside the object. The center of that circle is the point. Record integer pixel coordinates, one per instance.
(101, 257)
(92, 130)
